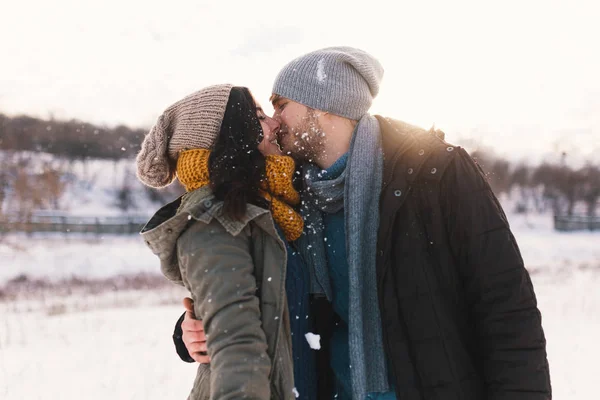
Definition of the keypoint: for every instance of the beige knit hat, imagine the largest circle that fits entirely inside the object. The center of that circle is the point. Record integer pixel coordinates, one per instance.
(192, 123)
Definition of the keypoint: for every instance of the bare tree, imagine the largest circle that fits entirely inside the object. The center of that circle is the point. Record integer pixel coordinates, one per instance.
(54, 182)
(124, 196)
(520, 178)
(4, 187)
(500, 176)
(546, 176)
(27, 187)
(590, 188)
(571, 182)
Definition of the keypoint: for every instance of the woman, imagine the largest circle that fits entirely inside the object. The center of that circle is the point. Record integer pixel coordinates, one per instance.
(227, 241)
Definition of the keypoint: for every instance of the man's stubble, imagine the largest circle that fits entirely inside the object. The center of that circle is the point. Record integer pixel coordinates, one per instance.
(306, 141)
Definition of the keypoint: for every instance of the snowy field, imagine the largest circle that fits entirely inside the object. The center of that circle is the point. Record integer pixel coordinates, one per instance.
(82, 326)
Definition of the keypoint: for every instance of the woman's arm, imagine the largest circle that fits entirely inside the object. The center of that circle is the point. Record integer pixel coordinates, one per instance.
(503, 305)
(218, 270)
(189, 337)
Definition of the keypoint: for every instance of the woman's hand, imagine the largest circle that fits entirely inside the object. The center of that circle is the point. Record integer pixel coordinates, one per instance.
(193, 334)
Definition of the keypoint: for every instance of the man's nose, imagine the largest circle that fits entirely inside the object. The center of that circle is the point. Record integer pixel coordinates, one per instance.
(275, 124)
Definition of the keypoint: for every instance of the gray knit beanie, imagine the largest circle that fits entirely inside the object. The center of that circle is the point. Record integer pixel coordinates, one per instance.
(192, 123)
(340, 80)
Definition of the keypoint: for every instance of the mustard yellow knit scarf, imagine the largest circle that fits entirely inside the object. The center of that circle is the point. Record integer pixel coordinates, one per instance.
(277, 188)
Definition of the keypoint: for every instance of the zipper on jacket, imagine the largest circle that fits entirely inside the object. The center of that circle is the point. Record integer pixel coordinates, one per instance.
(385, 260)
(433, 259)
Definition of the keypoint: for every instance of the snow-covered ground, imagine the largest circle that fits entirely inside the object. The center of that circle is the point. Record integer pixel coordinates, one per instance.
(120, 353)
(59, 256)
(117, 343)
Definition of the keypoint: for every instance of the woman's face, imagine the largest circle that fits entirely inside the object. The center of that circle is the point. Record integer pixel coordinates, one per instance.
(270, 127)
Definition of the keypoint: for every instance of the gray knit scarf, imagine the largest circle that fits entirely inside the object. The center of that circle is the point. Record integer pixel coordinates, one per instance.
(357, 190)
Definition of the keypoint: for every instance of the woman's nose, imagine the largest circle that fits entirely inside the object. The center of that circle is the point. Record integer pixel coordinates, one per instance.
(273, 124)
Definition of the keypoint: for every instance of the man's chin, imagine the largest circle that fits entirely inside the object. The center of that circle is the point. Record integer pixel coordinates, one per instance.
(289, 151)
(292, 154)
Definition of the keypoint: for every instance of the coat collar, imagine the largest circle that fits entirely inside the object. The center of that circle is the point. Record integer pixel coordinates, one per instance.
(168, 223)
(400, 139)
(200, 205)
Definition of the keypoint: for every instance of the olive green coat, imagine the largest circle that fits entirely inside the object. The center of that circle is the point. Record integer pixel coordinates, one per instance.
(235, 272)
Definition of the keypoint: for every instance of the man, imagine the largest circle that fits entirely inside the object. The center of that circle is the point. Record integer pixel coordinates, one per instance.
(406, 240)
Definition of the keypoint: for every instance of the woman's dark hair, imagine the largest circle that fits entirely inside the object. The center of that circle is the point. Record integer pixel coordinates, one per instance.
(236, 166)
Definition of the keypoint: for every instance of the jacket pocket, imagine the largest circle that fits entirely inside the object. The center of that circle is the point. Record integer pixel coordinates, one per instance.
(201, 389)
(282, 373)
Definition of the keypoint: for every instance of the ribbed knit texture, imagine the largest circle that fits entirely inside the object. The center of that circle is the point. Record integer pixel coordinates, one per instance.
(192, 169)
(361, 203)
(192, 123)
(277, 188)
(279, 171)
(340, 80)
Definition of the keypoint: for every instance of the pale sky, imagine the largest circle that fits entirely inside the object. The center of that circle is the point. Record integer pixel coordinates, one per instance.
(523, 77)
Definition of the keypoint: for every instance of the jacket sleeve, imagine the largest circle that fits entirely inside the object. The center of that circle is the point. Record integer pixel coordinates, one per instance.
(503, 306)
(180, 348)
(219, 272)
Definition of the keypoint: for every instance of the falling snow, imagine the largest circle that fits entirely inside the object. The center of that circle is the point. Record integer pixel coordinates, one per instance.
(314, 341)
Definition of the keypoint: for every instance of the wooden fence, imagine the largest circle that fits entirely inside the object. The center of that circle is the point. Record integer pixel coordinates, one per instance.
(566, 223)
(126, 225)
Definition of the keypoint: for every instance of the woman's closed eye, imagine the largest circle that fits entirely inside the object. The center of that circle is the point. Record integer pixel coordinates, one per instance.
(260, 113)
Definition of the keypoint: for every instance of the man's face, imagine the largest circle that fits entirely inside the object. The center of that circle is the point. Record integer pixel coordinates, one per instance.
(301, 135)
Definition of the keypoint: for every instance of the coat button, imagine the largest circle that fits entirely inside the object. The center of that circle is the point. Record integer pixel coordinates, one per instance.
(207, 203)
(421, 152)
(410, 171)
(433, 170)
(398, 193)
(169, 230)
(381, 253)
(449, 148)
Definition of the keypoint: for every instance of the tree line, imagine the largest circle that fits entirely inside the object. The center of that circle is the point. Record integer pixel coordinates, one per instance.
(556, 185)
(564, 189)
(75, 140)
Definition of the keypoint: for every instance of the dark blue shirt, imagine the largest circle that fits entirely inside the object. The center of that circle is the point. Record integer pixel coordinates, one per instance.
(337, 262)
(298, 296)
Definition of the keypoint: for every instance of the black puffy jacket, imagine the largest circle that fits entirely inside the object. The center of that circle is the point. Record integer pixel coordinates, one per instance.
(459, 313)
